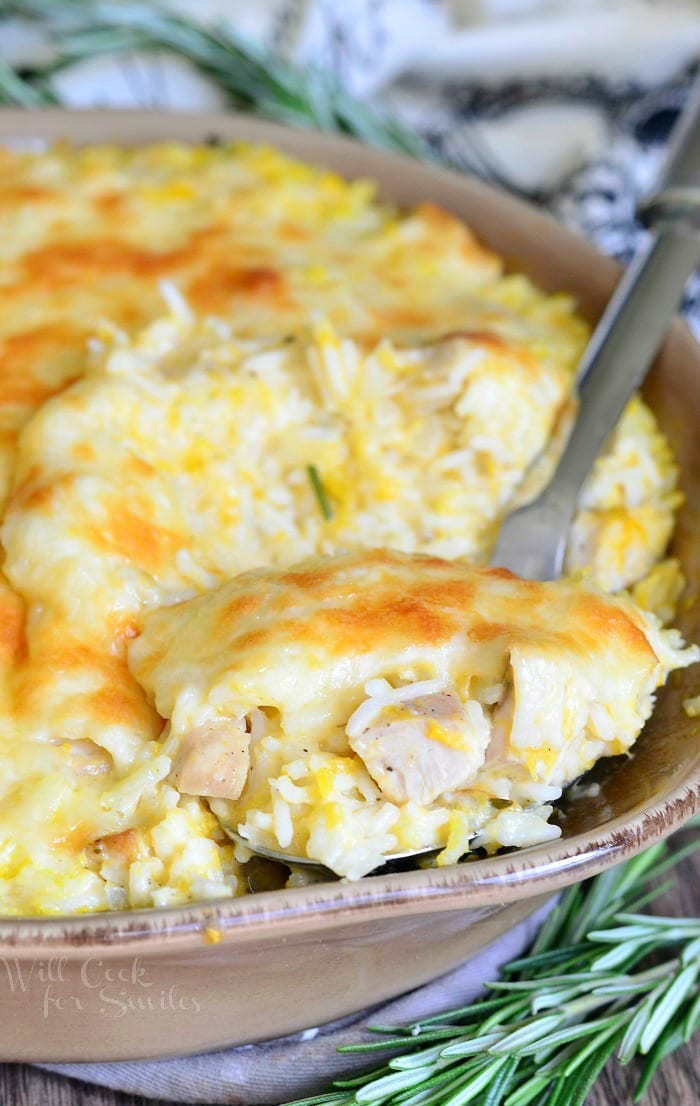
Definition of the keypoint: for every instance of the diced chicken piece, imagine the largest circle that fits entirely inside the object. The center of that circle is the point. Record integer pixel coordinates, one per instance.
(213, 760)
(501, 723)
(419, 748)
(124, 846)
(85, 758)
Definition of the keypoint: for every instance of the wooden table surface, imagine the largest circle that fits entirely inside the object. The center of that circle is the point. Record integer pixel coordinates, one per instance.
(677, 1082)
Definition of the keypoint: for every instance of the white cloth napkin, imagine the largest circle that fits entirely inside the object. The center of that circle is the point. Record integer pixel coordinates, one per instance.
(567, 103)
(304, 1064)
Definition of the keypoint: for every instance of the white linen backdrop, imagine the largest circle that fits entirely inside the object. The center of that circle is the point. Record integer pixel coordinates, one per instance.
(570, 103)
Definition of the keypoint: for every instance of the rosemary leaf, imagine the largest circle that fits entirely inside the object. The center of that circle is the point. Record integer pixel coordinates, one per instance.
(623, 955)
(472, 1013)
(332, 1099)
(502, 1080)
(664, 1046)
(528, 1091)
(412, 1060)
(672, 999)
(573, 1033)
(447, 1033)
(532, 1030)
(15, 90)
(505, 1010)
(467, 1046)
(478, 1082)
(572, 1092)
(395, 1081)
(552, 958)
(691, 1020)
(629, 1046)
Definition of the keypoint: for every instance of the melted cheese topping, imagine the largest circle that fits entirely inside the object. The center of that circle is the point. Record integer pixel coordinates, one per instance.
(303, 640)
(143, 463)
(243, 232)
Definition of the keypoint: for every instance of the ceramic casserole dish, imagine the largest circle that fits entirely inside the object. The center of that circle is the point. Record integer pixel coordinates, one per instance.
(226, 972)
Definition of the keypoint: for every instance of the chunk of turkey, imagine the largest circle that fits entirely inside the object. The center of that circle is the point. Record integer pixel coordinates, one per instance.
(416, 749)
(213, 760)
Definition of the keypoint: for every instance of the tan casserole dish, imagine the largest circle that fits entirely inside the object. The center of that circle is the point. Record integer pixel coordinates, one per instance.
(206, 976)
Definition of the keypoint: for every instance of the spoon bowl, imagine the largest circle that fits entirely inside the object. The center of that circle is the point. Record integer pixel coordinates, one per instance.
(305, 862)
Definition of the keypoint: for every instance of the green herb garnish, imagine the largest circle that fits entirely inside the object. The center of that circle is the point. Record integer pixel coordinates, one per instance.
(320, 492)
(600, 980)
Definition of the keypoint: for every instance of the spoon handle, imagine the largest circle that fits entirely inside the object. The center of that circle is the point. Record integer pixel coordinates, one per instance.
(532, 541)
(677, 192)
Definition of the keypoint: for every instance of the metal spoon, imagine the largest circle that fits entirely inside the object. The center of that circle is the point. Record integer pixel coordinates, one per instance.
(532, 540)
(313, 865)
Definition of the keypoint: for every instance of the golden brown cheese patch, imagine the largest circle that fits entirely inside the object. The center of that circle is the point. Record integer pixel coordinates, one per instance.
(12, 618)
(77, 689)
(135, 537)
(225, 283)
(282, 639)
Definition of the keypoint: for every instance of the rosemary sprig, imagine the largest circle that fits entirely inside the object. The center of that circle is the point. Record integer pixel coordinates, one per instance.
(599, 981)
(254, 79)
